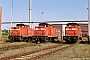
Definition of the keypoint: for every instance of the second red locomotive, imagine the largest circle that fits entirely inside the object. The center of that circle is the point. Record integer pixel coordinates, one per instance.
(44, 32)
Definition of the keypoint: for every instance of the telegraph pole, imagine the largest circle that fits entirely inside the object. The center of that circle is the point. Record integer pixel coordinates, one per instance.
(88, 21)
(30, 12)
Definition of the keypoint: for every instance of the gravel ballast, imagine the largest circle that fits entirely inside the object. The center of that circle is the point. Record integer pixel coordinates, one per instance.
(76, 52)
(25, 49)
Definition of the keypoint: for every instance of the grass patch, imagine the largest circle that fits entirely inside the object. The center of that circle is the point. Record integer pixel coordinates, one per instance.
(1, 52)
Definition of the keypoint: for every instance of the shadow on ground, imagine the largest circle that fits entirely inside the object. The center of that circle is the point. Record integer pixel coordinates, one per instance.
(12, 41)
(84, 42)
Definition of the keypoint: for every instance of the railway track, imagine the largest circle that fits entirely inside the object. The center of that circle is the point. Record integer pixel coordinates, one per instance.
(9, 46)
(38, 53)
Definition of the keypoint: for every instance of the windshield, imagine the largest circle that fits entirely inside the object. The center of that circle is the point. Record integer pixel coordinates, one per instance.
(73, 28)
(39, 28)
(67, 28)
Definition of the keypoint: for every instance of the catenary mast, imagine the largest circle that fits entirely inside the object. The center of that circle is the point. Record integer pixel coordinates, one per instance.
(30, 13)
(0, 21)
(11, 15)
(88, 21)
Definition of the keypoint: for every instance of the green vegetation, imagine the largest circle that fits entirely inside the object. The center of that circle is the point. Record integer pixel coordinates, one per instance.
(5, 33)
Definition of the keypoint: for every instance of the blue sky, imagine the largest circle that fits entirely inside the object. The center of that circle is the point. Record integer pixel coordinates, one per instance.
(53, 10)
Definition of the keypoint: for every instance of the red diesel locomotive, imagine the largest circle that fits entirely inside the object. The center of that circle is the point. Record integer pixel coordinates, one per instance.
(21, 32)
(44, 32)
(72, 32)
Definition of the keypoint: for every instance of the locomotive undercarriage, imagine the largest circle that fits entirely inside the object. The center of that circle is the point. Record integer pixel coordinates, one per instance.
(40, 39)
(20, 38)
(71, 39)
(36, 39)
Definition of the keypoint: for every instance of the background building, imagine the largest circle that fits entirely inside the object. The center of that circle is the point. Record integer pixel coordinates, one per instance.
(59, 28)
(84, 30)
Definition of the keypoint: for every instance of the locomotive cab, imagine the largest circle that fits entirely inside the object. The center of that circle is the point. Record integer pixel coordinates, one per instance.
(15, 32)
(39, 30)
(39, 34)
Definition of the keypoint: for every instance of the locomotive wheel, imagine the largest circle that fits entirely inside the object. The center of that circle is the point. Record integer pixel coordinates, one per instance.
(13, 40)
(38, 42)
(25, 39)
(29, 39)
(53, 40)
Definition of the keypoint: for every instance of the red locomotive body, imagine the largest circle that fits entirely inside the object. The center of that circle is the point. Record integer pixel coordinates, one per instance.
(44, 32)
(72, 32)
(21, 32)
